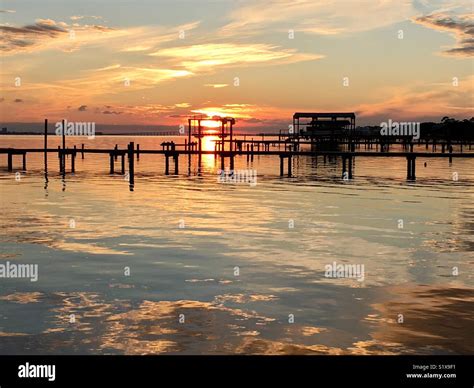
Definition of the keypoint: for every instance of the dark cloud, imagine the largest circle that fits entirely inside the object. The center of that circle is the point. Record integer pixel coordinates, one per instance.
(462, 26)
(14, 39)
(18, 100)
(82, 108)
(111, 112)
(252, 120)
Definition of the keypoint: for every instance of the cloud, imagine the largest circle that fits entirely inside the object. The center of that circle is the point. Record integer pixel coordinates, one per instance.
(216, 86)
(7, 11)
(462, 27)
(82, 108)
(111, 112)
(182, 105)
(205, 57)
(80, 17)
(47, 34)
(327, 17)
(422, 101)
(18, 100)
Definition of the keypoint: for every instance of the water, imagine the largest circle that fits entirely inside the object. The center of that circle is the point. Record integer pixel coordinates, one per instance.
(218, 269)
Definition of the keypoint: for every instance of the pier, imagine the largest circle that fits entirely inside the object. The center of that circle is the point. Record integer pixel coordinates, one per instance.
(229, 146)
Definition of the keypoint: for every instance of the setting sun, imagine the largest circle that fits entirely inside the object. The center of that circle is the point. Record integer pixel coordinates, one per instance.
(211, 124)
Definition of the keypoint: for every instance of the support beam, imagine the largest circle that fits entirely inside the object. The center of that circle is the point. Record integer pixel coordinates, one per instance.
(10, 161)
(131, 165)
(111, 156)
(45, 144)
(350, 166)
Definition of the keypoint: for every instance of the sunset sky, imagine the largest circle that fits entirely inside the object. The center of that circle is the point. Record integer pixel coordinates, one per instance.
(155, 62)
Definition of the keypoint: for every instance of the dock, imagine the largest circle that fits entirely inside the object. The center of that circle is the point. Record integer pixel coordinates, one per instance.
(229, 147)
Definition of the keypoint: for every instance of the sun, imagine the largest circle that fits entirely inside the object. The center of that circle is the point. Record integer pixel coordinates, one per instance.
(211, 123)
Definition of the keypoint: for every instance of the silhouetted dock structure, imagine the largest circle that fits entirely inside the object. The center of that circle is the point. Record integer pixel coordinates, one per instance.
(230, 147)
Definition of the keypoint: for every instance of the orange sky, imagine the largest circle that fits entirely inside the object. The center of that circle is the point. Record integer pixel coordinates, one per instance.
(155, 63)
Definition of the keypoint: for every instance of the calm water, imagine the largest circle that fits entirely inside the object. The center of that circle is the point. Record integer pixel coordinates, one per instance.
(185, 238)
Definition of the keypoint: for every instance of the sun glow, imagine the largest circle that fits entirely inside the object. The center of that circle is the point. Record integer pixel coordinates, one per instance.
(211, 124)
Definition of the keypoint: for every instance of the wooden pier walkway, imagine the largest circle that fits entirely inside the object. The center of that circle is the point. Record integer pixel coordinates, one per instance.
(132, 153)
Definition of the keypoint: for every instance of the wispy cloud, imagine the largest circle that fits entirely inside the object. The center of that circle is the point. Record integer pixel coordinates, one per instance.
(327, 17)
(48, 34)
(462, 27)
(216, 86)
(205, 57)
(418, 101)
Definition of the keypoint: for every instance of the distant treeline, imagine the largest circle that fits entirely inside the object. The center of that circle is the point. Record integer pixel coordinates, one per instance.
(448, 129)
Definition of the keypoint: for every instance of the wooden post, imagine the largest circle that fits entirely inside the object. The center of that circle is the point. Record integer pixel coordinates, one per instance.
(115, 149)
(350, 166)
(281, 165)
(167, 164)
(131, 165)
(199, 136)
(111, 162)
(123, 163)
(248, 152)
(10, 161)
(408, 167)
(45, 144)
(176, 171)
(73, 160)
(413, 168)
(344, 166)
(64, 135)
(450, 151)
(231, 137)
(60, 159)
(24, 161)
(289, 165)
(82, 153)
(138, 151)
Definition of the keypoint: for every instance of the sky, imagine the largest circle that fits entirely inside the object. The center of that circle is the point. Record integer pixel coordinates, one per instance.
(154, 62)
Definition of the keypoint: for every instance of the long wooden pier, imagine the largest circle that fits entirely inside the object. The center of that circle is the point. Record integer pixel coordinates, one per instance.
(132, 153)
(238, 147)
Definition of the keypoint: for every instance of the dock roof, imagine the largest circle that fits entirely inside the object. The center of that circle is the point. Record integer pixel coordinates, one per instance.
(298, 115)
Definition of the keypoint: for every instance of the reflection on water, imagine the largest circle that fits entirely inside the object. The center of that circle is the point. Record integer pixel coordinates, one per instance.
(216, 269)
